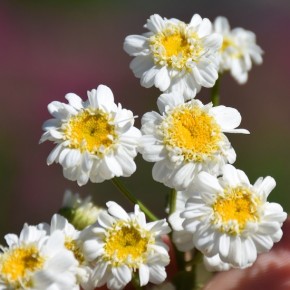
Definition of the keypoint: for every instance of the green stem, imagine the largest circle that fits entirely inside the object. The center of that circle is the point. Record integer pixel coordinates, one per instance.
(119, 184)
(172, 201)
(135, 282)
(215, 95)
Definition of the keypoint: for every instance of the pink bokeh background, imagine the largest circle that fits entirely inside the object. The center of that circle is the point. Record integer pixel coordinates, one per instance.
(50, 48)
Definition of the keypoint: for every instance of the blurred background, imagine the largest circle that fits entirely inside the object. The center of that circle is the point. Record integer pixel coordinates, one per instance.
(50, 48)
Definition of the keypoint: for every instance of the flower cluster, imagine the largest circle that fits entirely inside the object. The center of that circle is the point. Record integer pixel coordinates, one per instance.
(213, 209)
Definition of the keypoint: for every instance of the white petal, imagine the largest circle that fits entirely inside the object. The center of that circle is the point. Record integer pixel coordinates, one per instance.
(117, 211)
(169, 100)
(74, 100)
(53, 155)
(134, 44)
(209, 182)
(204, 28)
(140, 64)
(144, 274)
(148, 78)
(123, 274)
(221, 25)
(162, 79)
(231, 176)
(195, 20)
(155, 23)
(228, 118)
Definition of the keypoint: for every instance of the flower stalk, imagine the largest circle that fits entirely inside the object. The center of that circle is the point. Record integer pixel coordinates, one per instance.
(122, 188)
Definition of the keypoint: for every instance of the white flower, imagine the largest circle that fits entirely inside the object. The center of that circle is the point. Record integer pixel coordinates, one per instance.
(175, 56)
(238, 51)
(79, 212)
(36, 261)
(122, 244)
(187, 138)
(95, 139)
(73, 242)
(231, 218)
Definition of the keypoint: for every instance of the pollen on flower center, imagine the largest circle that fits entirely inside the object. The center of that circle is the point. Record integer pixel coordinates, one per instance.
(72, 246)
(16, 264)
(126, 245)
(90, 131)
(193, 131)
(234, 209)
(174, 46)
(230, 47)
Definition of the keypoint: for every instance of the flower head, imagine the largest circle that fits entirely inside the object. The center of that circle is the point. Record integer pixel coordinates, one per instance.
(81, 213)
(231, 218)
(121, 244)
(174, 55)
(36, 261)
(95, 139)
(239, 50)
(187, 138)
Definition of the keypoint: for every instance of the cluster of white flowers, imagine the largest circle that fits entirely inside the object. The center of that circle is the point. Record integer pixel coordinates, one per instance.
(214, 208)
(111, 250)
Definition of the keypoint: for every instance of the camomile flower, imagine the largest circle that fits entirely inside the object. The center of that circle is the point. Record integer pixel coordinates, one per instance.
(80, 212)
(239, 50)
(73, 243)
(231, 218)
(95, 139)
(175, 56)
(122, 245)
(187, 138)
(36, 261)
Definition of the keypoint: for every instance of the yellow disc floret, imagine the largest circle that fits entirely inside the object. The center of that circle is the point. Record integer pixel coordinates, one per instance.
(175, 46)
(234, 209)
(127, 243)
(230, 47)
(17, 264)
(73, 246)
(193, 131)
(90, 131)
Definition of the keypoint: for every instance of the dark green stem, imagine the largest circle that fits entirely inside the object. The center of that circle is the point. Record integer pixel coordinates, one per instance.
(119, 184)
(215, 92)
(135, 282)
(172, 201)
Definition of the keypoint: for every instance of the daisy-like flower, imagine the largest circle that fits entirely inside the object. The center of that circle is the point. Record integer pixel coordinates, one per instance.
(231, 218)
(95, 139)
(73, 242)
(81, 213)
(175, 56)
(123, 245)
(36, 261)
(239, 50)
(187, 138)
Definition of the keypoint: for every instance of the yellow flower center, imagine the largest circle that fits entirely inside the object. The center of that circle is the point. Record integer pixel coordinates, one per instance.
(175, 46)
(72, 246)
(230, 47)
(127, 244)
(234, 209)
(16, 265)
(193, 131)
(90, 131)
